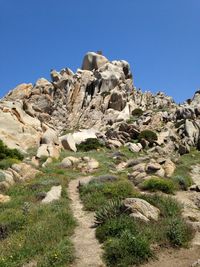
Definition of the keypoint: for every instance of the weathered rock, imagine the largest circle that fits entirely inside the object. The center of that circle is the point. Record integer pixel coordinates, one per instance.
(4, 198)
(68, 142)
(42, 151)
(93, 61)
(66, 163)
(26, 171)
(74, 160)
(153, 167)
(141, 167)
(169, 168)
(91, 163)
(53, 194)
(83, 135)
(142, 208)
(134, 147)
(50, 137)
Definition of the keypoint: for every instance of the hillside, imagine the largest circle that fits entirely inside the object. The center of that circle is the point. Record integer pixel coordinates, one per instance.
(95, 172)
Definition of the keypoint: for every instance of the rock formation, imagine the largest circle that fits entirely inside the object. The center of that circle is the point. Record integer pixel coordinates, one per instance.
(100, 96)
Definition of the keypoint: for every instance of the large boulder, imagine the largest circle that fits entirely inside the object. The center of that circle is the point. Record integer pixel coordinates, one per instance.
(93, 61)
(50, 137)
(83, 135)
(68, 142)
(142, 209)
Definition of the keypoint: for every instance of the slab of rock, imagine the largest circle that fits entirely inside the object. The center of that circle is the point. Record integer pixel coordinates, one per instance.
(53, 194)
(4, 198)
(142, 208)
(68, 142)
(83, 135)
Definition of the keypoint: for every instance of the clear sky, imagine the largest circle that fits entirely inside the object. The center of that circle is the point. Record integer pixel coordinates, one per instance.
(159, 38)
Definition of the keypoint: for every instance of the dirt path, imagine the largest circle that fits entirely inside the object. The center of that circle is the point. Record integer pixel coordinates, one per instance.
(184, 257)
(175, 258)
(88, 250)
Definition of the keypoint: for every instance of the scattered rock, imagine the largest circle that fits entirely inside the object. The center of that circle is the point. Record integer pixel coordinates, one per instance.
(53, 194)
(134, 147)
(68, 142)
(142, 209)
(66, 163)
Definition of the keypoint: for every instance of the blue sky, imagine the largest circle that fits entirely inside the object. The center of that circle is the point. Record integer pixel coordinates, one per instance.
(159, 38)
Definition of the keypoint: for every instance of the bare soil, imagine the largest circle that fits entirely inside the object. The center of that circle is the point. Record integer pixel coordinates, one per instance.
(88, 250)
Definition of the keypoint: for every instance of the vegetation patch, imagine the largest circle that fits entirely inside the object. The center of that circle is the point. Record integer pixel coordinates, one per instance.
(8, 156)
(128, 250)
(89, 144)
(137, 112)
(30, 230)
(148, 135)
(159, 184)
(96, 194)
(113, 209)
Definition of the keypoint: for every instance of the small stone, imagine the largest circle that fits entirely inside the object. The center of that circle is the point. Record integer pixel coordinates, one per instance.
(66, 163)
(4, 198)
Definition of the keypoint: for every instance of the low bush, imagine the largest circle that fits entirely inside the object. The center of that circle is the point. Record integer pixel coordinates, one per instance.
(112, 209)
(178, 232)
(6, 152)
(115, 226)
(94, 195)
(137, 112)
(89, 144)
(168, 206)
(7, 163)
(158, 184)
(148, 135)
(127, 250)
(182, 182)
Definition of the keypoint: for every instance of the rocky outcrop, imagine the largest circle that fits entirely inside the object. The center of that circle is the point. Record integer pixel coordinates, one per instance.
(101, 96)
(17, 173)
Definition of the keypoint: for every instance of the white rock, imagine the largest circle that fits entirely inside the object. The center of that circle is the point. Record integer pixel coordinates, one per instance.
(68, 142)
(83, 135)
(141, 206)
(53, 194)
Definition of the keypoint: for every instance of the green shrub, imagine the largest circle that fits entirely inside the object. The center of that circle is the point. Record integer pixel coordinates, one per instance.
(112, 209)
(137, 112)
(96, 194)
(115, 226)
(158, 184)
(89, 144)
(182, 182)
(7, 163)
(127, 250)
(168, 206)
(148, 135)
(178, 232)
(6, 152)
(60, 255)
